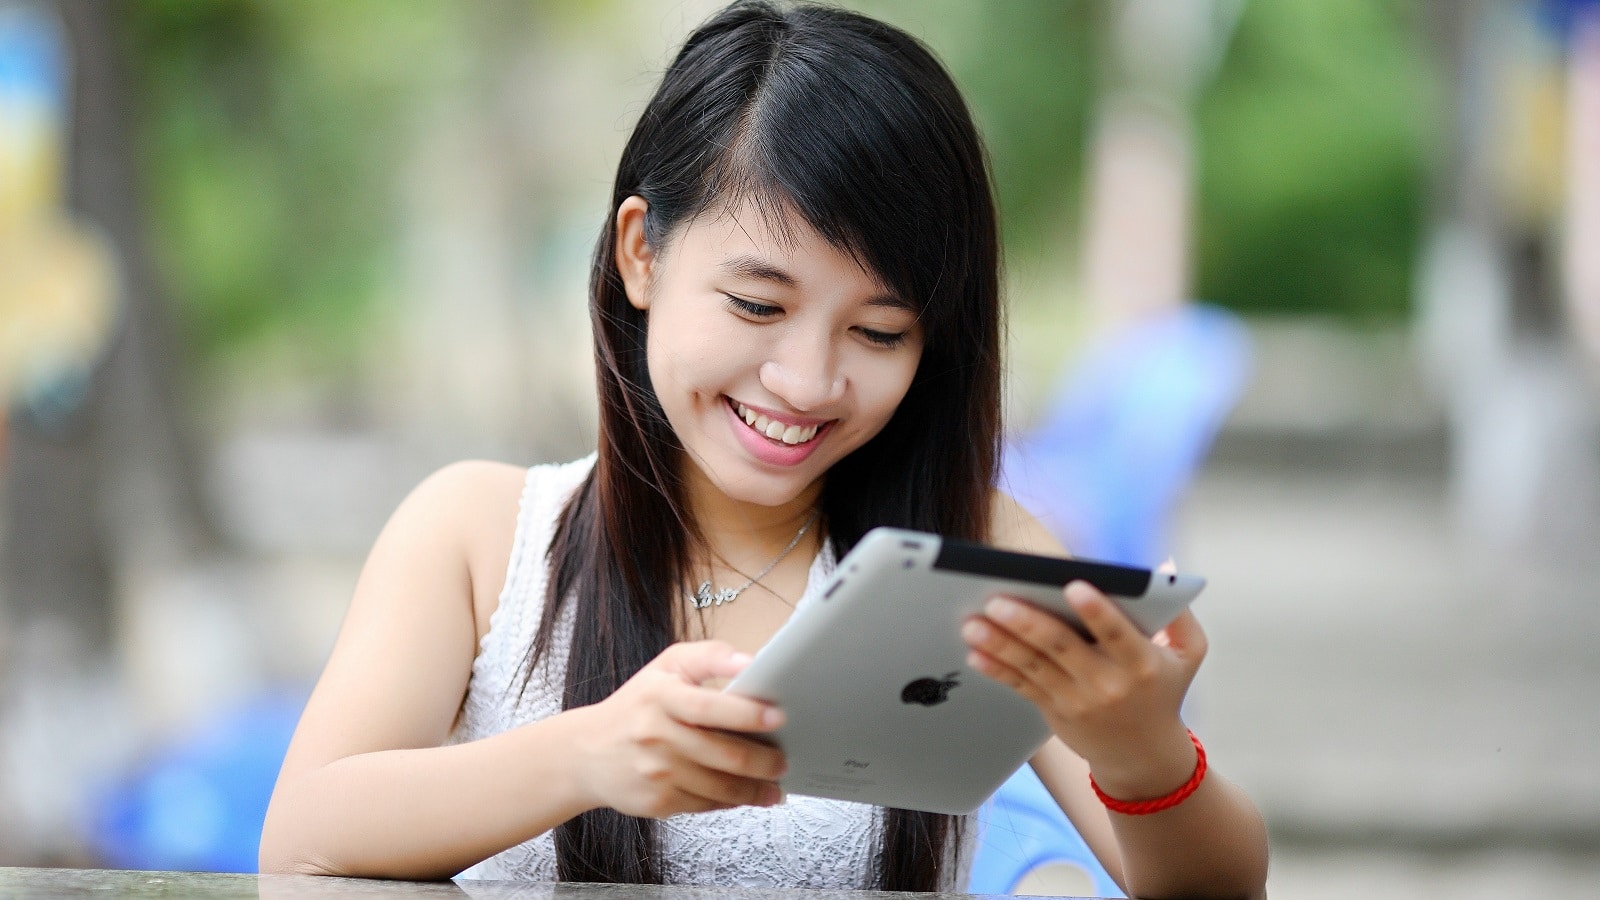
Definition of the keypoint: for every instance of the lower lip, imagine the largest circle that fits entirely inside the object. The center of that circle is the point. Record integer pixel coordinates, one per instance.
(767, 450)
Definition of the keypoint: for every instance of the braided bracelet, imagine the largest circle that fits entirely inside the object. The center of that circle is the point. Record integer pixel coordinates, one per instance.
(1146, 807)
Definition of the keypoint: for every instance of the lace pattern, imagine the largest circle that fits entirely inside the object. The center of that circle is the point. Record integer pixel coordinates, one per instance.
(806, 842)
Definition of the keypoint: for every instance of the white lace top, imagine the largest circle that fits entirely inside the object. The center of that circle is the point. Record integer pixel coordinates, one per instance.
(806, 842)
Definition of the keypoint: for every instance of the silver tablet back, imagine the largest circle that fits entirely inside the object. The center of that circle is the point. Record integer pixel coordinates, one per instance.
(881, 705)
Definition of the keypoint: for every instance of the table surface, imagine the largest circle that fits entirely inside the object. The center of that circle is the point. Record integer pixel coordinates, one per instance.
(21, 883)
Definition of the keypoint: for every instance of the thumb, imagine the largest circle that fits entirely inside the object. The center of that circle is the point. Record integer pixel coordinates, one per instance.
(697, 662)
(1183, 635)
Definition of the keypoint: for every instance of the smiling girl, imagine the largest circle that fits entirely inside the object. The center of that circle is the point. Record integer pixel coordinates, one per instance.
(795, 305)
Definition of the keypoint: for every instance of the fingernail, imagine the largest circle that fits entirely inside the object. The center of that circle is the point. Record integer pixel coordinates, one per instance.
(974, 631)
(1078, 591)
(1002, 609)
(742, 659)
(775, 795)
(772, 717)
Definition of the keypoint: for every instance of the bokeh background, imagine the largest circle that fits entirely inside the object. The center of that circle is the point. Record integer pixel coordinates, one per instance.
(264, 264)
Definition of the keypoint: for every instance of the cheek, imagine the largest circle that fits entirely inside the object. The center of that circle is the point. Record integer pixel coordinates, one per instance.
(886, 385)
(688, 357)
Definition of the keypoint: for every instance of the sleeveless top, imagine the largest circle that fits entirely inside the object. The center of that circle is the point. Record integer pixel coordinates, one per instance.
(805, 842)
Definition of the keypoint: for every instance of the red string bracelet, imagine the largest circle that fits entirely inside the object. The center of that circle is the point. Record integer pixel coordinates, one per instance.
(1146, 807)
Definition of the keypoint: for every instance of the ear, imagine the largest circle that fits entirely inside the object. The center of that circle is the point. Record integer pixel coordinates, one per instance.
(635, 258)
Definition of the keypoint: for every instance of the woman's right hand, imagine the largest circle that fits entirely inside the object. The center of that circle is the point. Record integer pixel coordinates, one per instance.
(660, 745)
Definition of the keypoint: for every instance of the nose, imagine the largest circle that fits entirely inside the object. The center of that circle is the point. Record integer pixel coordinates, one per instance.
(806, 379)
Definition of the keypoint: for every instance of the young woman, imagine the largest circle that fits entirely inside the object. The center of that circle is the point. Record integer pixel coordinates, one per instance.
(795, 305)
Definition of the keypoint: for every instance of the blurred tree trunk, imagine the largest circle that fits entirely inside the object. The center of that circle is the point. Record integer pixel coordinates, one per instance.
(114, 478)
(1499, 347)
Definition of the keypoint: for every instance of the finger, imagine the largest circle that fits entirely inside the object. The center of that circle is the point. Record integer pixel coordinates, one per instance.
(995, 668)
(1026, 637)
(993, 641)
(693, 803)
(700, 661)
(1185, 636)
(730, 753)
(725, 790)
(1114, 633)
(705, 708)
(675, 801)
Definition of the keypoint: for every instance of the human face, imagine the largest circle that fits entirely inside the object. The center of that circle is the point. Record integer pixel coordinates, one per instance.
(773, 359)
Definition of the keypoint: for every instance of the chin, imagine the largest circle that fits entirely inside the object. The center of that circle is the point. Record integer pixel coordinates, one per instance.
(752, 484)
(769, 491)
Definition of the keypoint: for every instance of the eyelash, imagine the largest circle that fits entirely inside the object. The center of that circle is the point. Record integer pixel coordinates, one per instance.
(759, 310)
(762, 311)
(884, 338)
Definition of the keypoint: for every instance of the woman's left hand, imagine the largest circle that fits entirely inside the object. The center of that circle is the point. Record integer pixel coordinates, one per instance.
(1115, 701)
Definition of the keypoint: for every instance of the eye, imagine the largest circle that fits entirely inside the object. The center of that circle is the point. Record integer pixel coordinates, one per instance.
(884, 338)
(751, 308)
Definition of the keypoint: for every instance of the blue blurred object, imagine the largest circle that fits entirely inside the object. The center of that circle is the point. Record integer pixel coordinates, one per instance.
(1127, 432)
(33, 60)
(1129, 428)
(1561, 17)
(198, 803)
(1020, 829)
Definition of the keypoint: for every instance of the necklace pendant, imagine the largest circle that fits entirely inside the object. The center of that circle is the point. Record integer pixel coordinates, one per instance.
(704, 596)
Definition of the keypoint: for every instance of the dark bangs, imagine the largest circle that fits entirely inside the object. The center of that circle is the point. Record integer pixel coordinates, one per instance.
(835, 134)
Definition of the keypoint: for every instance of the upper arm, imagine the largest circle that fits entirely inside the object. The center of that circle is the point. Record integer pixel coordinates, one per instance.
(400, 665)
(1014, 528)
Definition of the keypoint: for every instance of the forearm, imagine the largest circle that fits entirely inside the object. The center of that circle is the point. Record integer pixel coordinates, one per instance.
(1213, 844)
(426, 813)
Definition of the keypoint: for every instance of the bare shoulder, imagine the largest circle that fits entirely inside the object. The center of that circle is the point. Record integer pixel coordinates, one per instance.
(474, 505)
(472, 481)
(1014, 528)
(401, 662)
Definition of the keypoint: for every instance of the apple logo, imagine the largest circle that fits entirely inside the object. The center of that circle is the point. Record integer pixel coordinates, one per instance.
(929, 691)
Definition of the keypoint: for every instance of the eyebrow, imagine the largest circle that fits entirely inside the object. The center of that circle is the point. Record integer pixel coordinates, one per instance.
(754, 267)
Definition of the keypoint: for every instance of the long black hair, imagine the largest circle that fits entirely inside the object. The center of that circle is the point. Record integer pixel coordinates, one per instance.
(855, 127)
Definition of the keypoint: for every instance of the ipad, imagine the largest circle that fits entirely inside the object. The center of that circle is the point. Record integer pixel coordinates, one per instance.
(881, 705)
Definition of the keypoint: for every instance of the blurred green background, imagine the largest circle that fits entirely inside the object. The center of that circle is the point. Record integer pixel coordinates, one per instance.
(270, 137)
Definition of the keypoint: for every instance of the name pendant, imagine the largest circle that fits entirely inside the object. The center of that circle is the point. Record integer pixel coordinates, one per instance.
(705, 597)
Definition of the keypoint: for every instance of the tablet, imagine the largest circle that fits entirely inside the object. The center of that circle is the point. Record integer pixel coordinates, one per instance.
(881, 706)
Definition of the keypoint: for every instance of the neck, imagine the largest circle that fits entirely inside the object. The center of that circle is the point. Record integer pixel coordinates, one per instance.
(736, 528)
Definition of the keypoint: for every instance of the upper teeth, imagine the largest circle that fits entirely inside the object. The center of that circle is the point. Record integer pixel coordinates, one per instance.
(789, 434)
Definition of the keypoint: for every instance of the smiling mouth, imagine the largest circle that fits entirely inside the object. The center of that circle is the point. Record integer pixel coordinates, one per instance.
(774, 430)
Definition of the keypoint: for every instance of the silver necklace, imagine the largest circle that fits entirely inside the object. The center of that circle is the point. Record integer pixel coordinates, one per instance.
(705, 597)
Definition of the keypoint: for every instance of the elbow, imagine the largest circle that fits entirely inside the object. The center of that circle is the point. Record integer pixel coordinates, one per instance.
(1209, 891)
(300, 868)
(277, 855)
(277, 863)
(271, 861)
(1243, 879)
